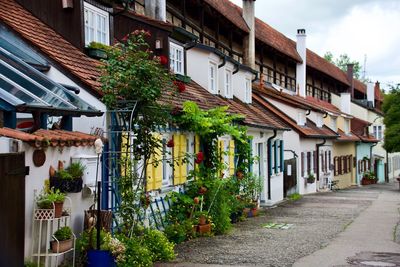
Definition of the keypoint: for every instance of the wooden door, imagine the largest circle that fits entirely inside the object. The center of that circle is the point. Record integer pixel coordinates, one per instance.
(289, 177)
(12, 207)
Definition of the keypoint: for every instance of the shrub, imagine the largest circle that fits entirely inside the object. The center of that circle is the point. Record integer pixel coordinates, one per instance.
(76, 170)
(136, 254)
(158, 245)
(64, 233)
(294, 197)
(64, 175)
(180, 232)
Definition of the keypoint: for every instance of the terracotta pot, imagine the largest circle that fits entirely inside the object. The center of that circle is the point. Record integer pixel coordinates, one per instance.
(61, 246)
(202, 220)
(203, 229)
(254, 212)
(58, 207)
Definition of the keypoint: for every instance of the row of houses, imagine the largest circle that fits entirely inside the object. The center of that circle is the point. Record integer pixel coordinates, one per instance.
(306, 116)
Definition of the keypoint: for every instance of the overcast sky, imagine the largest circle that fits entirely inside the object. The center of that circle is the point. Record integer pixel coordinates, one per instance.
(355, 27)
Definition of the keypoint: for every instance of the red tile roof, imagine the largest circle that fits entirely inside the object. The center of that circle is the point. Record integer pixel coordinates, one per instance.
(360, 86)
(51, 44)
(359, 127)
(323, 105)
(310, 130)
(44, 138)
(378, 92)
(253, 115)
(347, 137)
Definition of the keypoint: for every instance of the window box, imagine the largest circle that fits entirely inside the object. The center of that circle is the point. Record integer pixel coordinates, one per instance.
(96, 53)
(183, 78)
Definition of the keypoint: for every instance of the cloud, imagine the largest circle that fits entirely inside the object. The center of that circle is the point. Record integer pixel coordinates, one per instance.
(356, 27)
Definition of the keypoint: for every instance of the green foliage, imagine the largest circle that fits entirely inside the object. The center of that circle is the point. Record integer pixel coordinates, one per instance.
(342, 61)
(45, 199)
(179, 232)
(64, 233)
(251, 187)
(294, 197)
(311, 178)
(391, 108)
(219, 208)
(158, 245)
(96, 45)
(136, 254)
(369, 175)
(64, 174)
(76, 170)
(32, 264)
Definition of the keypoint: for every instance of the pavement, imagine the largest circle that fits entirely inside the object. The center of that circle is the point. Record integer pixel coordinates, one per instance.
(354, 227)
(367, 240)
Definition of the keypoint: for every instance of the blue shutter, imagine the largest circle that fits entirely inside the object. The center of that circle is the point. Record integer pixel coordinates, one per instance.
(282, 156)
(275, 156)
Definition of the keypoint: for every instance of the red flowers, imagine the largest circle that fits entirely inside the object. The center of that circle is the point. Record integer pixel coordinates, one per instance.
(170, 143)
(180, 85)
(199, 157)
(163, 60)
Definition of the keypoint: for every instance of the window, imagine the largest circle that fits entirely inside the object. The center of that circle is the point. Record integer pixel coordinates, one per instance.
(96, 25)
(301, 118)
(346, 126)
(176, 58)
(378, 132)
(320, 120)
(333, 124)
(248, 91)
(228, 84)
(212, 78)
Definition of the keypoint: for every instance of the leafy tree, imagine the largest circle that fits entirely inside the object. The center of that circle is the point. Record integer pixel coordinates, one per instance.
(391, 108)
(342, 61)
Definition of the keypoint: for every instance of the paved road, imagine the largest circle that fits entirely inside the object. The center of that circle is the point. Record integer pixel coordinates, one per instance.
(344, 228)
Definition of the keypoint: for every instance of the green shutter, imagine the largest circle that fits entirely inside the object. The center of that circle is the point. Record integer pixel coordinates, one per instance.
(282, 156)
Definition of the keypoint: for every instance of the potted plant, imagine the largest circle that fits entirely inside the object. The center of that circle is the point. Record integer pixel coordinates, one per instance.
(63, 240)
(69, 180)
(368, 178)
(204, 222)
(97, 50)
(310, 178)
(51, 199)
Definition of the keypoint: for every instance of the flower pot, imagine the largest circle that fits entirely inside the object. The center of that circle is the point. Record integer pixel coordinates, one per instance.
(204, 229)
(96, 53)
(254, 212)
(58, 207)
(66, 186)
(61, 246)
(100, 258)
(202, 220)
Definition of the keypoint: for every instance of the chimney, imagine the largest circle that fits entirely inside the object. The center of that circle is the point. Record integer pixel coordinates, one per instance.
(249, 41)
(371, 93)
(377, 92)
(345, 103)
(301, 67)
(350, 74)
(156, 9)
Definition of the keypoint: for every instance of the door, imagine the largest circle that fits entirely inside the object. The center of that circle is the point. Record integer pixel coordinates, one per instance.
(12, 206)
(289, 177)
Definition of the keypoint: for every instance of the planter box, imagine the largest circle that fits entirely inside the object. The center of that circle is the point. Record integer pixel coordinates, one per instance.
(96, 53)
(183, 78)
(204, 229)
(61, 246)
(66, 186)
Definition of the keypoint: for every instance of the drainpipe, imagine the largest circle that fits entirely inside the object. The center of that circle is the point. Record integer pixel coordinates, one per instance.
(387, 168)
(269, 163)
(318, 146)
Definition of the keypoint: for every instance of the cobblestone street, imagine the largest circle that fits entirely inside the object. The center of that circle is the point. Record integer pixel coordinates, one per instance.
(317, 219)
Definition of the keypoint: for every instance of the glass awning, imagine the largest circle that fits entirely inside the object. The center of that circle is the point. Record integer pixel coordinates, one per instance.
(22, 86)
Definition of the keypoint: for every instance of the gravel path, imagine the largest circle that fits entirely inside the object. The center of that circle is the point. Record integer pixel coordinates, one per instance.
(316, 220)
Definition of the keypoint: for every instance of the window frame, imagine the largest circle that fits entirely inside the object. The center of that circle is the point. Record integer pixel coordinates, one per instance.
(247, 90)
(97, 12)
(212, 81)
(228, 83)
(174, 48)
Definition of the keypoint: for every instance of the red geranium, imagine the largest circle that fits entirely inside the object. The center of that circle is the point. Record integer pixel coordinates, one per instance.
(163, 60)
(199, 157)
(180, 85)
(170, 143)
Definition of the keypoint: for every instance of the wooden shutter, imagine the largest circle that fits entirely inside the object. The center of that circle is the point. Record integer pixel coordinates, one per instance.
(335, 166)
(231, 157)
(177, 160)
(196, 149)
(154, 168)
(308, 163)
(322, 162)
(359, 166)
(330, 160)
(282, 156)
(350, 162)
(340, 170)
(302, 164)
(369, 164)
(182, 154)
(315, 159)
(326, 161)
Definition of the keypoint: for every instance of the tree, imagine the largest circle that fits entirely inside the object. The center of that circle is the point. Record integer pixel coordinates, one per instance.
(391, 108)
(342, 61)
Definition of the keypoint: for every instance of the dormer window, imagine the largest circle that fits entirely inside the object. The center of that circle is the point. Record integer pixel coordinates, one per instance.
(346, 126)
(334, 124)
(301, 118)
(228, 84)
(212, 77)
(320, 121)
(247, 90)
(96, 25)
(176, 58)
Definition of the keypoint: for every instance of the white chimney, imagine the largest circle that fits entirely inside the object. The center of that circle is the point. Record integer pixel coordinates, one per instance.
(156, 9)
(345, 102)
(249, 42)
(371, 93)
(301, 67)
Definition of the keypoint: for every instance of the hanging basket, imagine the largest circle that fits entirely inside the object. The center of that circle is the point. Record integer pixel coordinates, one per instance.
(67, 185)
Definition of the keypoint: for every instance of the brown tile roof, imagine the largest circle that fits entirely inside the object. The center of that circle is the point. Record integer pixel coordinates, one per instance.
(44, 138)
(51, 43)
(154, 22)
(319, 63)
(253, 115)
(310, 130)
(347, 137)
(358, 128)
(360, 86)
(323, 105)
(378, 92)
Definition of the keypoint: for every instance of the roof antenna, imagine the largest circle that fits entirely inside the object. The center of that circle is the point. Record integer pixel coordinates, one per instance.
(364, 67)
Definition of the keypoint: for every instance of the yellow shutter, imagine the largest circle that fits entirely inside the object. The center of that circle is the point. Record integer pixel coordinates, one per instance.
(154, 168)
(231, 157)
(124, 155)
(196, 148)
(177, 162)
(183, 166)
